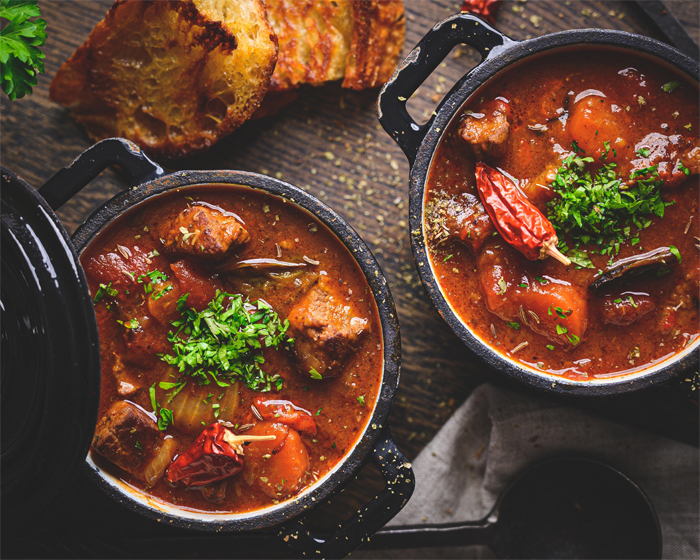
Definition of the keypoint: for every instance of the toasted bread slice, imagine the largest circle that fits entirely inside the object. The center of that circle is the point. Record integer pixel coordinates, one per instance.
(173, 76)
(377, 39)
(359, 41)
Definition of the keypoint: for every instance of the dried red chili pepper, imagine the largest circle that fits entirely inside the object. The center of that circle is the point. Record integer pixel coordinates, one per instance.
(485, 8)
(214, 455)
(519, 222)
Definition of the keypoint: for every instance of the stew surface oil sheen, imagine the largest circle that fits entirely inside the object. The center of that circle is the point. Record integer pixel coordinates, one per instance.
(538, 121)
(314, 395)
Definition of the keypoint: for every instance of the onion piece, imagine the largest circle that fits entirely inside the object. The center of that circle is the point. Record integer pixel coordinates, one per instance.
(155, 469)
(193, 408)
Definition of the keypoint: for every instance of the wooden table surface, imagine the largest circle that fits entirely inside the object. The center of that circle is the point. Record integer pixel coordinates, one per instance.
(330, 143)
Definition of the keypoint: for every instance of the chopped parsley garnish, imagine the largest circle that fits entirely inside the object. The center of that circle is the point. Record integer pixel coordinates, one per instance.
(522, 285)
(318, 412)
(540, 280)
(502, 285)
(225, 341)
(513, 325)
(643, 152)
(580, 258)
(131, 324)
(668, 87)
(150, 279)
(675, 252)
(550, 347)
(164, 416)
(138, 446)
(105, 290)
(333, 446)
(361, 400)
(561, 329)
(447, 258)
(574, 339)
(617, 300)
(600, 209)
(314, 374)
(683, 168)
(631, 300)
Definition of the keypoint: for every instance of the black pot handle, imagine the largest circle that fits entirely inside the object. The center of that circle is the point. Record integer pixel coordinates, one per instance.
(420, 63)
(399, 479)
(88, 165)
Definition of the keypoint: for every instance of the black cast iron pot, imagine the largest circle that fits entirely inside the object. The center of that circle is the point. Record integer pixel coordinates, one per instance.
(67, 340)
(419, 143)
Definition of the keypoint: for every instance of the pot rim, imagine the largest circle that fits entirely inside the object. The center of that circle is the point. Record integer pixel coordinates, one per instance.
(502, 59)
(321, 490)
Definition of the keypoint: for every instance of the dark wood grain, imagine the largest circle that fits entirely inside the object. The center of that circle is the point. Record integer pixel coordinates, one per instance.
(330, 143)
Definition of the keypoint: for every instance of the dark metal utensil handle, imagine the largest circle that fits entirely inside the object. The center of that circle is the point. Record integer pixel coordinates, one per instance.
(421, 536)
(70, 180)
(420, 63)
(670, 27)
(399, 479)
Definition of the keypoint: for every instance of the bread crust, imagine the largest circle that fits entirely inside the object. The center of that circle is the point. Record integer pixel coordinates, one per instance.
(172, 76)
(358, 41)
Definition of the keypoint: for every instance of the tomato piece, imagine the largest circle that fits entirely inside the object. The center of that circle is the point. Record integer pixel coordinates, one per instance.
(508, 283)
(164, 307)
(200, 286)
(123, 272)
(278, 467)
(287, 413)
(595, 120)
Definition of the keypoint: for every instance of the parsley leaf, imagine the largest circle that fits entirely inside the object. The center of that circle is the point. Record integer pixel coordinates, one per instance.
(105, 290)
(580, 258)
(361, 400)
(225, 341)
(315, 374)
(675, 252)
(513, 325)
(668, 87)
(20, 56)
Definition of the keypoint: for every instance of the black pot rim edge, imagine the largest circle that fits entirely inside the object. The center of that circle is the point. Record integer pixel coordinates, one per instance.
(320, 491)
(513, 52)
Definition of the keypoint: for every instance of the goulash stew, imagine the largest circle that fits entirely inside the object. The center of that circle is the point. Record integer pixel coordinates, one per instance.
(241, 348)
(561, 213)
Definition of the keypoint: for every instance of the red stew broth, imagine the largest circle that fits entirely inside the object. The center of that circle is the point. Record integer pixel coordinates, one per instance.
(333, 402)
(536, 87)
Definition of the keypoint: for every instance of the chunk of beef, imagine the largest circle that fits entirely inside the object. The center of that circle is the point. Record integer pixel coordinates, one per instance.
(671, 155)
(626, 308)
(551, 307)
(202, 232)
(487, 131)
(462, 218)
(127, 437)
(326, 327)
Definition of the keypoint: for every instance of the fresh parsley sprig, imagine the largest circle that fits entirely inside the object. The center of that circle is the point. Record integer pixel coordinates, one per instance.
(225, 341)
(20, 57)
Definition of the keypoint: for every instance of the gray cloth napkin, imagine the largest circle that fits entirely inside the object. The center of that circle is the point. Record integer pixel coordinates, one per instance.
(496, 433)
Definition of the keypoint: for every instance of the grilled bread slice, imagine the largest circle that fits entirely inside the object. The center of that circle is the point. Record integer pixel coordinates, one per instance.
(173, 76)
(358, 41)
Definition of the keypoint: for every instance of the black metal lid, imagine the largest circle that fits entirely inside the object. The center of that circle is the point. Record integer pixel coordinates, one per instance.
(50, 357)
